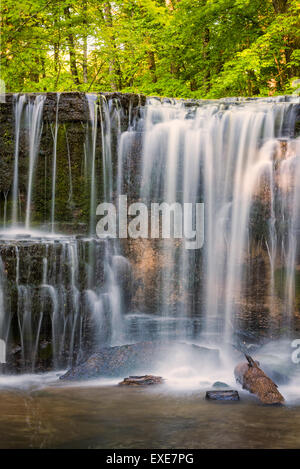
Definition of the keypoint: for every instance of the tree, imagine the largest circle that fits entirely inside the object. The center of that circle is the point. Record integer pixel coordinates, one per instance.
(183, 48)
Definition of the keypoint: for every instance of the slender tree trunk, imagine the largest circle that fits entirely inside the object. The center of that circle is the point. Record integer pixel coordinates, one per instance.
(84, 66)
(56, 45)
(43, 67)
(174, 68)
(193, 85)
(206, 57)
(56, 56)
(152, 66)
(72, 53)
(280, 6)
(114, 68)
(85, 51)
(34, 75)
(280, 72)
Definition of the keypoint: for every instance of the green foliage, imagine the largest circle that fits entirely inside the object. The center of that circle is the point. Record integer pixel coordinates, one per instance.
(181, 48)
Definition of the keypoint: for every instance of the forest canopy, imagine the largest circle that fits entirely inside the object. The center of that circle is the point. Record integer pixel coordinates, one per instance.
(180, 48)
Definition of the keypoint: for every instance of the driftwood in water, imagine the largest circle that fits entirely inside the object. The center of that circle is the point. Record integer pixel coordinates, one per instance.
(141, 380)
(252, 378)
(228, 395)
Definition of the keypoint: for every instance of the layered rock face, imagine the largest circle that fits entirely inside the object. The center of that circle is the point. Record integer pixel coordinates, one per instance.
(61, 294)
(47, 316)
(65, 129)
(139, 357)
(66, 295)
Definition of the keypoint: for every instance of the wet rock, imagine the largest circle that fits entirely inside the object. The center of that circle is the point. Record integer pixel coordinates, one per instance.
(278, 377)
(252, 378)
(220, 384)
(22, 236)
(230, 395)
(137, 358)
(145, 380)
(72, 105)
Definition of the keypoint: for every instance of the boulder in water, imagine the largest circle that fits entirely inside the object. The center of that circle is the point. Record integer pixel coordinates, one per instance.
(220, 385)
(139, 358)
(252, 378)
(228, 395)
(145, 380)
(278, 377)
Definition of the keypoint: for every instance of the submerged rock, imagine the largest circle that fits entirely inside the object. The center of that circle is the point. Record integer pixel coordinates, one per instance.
(220, 384)
(145, 380)
(138, 358)
(252, 378)
(230, 395)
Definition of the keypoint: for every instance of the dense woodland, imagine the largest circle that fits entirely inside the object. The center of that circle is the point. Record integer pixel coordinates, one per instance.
(180, 48)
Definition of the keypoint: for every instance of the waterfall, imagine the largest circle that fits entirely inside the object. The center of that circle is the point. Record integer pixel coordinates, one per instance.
(54, 135)
(109, 300)
(34, 119)
(105, 119)
(51, 284)
(38, 191)
(64, 295)
(290, 199)
(19, 106)
(70, 198)
(45, 280)
(3, 316)
(93, 114)
(219, 153)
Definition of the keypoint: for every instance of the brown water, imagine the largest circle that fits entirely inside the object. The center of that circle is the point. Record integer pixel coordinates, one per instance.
(108, 416)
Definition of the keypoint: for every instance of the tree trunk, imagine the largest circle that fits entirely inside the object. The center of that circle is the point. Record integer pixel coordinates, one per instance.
(34, 74)
(193, 85)
(206, 59)
(152, 66)
(72, 53)
(56, 45)
(280, 6)
(85, 51)
(114, 68)
(56, 56)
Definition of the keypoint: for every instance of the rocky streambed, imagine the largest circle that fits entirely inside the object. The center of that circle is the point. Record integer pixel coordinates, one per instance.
(87, 407)
(146, 357)
(106, 416)
(140, 358)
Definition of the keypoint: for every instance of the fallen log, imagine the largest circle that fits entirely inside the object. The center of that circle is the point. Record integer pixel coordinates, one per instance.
(228, 395)
(252, 378)
(145, 380)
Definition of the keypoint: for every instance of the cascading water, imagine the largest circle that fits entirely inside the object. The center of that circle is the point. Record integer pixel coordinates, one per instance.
(219, 153)
(289, 187)
(110, 300)
(19, 106)
(34, 119)
(61, 295)
(54, 135)
(105, 119)
(51, 285)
